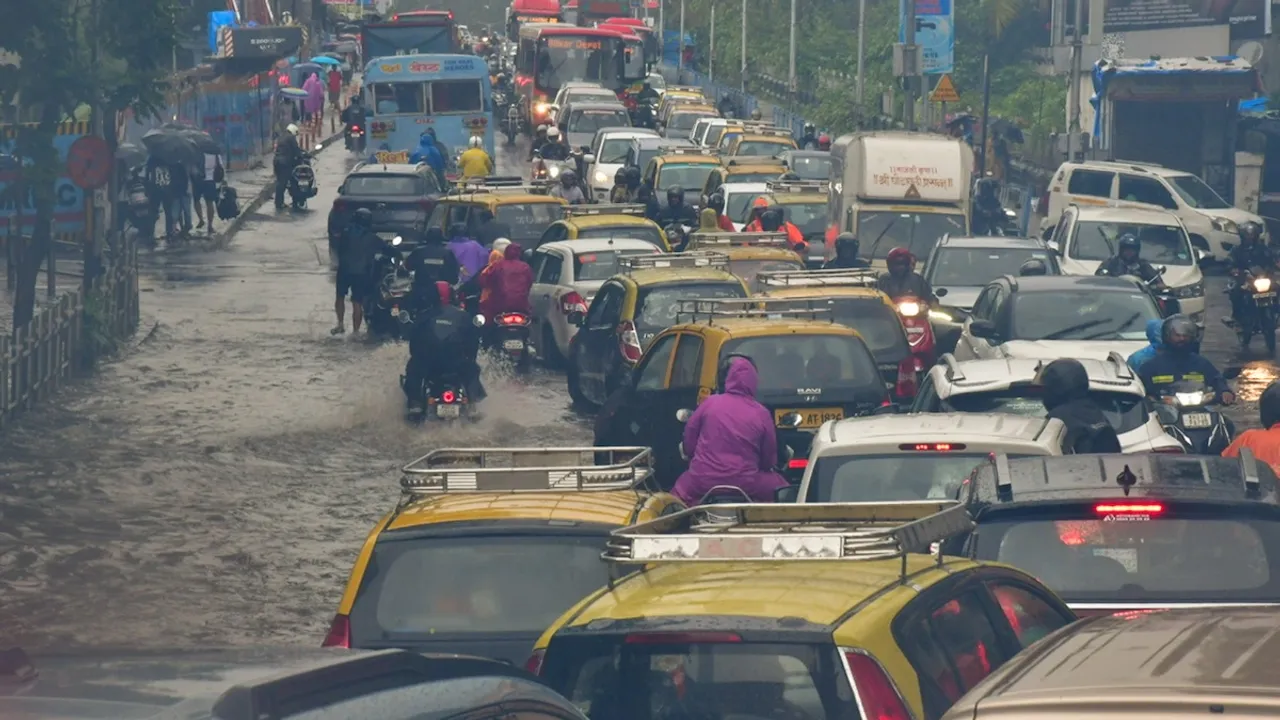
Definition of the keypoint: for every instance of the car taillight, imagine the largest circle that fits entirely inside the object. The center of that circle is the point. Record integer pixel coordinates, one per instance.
(355, 128)
(534, 663)
(876, 694)
(906, 386)
(629, 342)
(339, 634)
(448, 396)
(1129, 508)
(572, 302)
(931, 447)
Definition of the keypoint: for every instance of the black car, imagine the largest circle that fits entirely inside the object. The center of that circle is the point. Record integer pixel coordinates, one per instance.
(401, 197)
(1125, 532)
(808, 164)
(267, 683)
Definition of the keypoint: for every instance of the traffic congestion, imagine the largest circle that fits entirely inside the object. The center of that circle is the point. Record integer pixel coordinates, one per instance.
(845, 440)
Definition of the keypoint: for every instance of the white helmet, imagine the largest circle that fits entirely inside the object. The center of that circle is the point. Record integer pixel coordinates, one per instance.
(553, 133)
(293, 129)
(542, 128)
(476, 142)
(501, 244)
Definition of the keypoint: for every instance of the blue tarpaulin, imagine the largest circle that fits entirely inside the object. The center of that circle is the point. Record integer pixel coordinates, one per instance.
(1105, 70)
(1256, 105)
(219, 19)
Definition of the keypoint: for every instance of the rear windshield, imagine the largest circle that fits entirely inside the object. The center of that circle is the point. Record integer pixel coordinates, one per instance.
(753, 177)
(685, 120)
(826, 366)
(600, 265)
(880, 231)
(589, 121)
(810, 217)
(612, 679)
(748, 270)
(1082, 315)
(690, 176)
(647, 233)
(738, 206)
(410, 185)
(811, 167)
(1180, 554)
(762, 148)
(495, 584)
(877, 323)
(975, 267)
(656, 307)
(900, 476)
(529, 221)
(1124, 411)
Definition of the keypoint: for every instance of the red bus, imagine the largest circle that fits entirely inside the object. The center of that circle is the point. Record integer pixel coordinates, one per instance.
(636, 26)
(549, 57)
(524, 12)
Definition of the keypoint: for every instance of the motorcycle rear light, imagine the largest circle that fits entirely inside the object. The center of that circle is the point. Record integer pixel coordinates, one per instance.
(681, 638)
(448, 397)
(355, 128)
(877, 696)
(1129, 508)
(534, 663)
(906, 385)
(798, 464)
(629, 342)
(513, 319)
(339, 634)
(931, 447)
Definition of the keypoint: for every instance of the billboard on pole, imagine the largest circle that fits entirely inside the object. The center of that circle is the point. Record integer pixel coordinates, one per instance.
(935, 34)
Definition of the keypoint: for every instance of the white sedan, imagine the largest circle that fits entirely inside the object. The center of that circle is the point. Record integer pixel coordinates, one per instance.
(566, 276)
(608, 155)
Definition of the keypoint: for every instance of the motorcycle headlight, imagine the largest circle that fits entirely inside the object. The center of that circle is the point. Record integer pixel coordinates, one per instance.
(1223, 225)
(1262, 285)
(909, 309)
(541, 108)
(1191, 399)
(1194, 290)
(554, 171)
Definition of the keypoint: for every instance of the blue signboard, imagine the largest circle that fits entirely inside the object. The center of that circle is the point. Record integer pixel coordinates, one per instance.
(935, 34)
(69, 200)
(218, 20)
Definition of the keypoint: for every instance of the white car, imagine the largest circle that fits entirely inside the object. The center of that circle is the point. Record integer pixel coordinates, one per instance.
(608, 155)
(582, 92)
(1086, 236)
(1009, 385)
(738, 198)
(708, 131)
(566, 276)
(915, 457)
(1212, 222)
(1053, 316)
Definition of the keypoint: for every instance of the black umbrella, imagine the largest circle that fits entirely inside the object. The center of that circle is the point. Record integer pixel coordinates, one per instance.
(171, 146)
(203, 141)
(1012, 133)
(132, 155)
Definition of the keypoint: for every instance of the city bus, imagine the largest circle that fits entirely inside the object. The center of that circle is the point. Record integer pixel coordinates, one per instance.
(412, 33)
(530, 12)
(549, 57)
(405, 95)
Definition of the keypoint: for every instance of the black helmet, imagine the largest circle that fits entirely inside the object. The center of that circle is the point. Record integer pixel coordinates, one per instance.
(674, 193)
(633, 175)
(771, 219)
(1250, 231)
(568, 177)
(715, 201)
(457, 230)
(1063, 380)
(848, 242)
(1129, 241)
(1269, 405)
(362, 217)
(1179, 332)
(809, 128)
(789, 176)
(1033, 266)
(988, 186)
(620, 177)
(756, 114)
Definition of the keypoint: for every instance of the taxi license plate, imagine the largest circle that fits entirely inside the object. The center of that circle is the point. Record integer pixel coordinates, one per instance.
(513, 344)
(448, 411)
(812, 417)
(1197, 421)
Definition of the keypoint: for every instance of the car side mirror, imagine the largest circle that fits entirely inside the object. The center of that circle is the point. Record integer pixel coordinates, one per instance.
(577, 318)
(787, 494)
(683, 415)
(1200, 255)
(1054, 246)
(588, 158)
(940, 292)
(1166, 414)
(527, 255)
(984, 329)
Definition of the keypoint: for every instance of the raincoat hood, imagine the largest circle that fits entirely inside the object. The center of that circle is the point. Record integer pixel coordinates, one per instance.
(742, 378)
(494, 257)
(512, 252)
(708, 220)
(501, 244)
(425, 143)
(1153, 331)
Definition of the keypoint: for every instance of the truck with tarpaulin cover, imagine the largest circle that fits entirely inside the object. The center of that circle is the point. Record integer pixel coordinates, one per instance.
(898, 189)
(412, 33)
(531, 12)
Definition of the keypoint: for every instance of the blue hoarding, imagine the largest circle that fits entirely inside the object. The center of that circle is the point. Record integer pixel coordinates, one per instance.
(69, 200)
(217, 20)
(935, 34)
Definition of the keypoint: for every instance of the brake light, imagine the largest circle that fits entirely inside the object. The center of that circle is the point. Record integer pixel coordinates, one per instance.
(681, 638)
(906, 387)
(534, 663)
(1123, 508)
(876, 694)
(572, 302)
(513, 319)
(355, 128)
(629, 342)
(339, 635)
(448, 396)
(798, 464)
(932, 447)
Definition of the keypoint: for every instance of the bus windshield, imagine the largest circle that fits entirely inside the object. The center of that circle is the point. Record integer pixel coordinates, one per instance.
(582, 59)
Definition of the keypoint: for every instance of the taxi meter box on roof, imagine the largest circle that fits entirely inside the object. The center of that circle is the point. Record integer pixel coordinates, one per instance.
(902, 166)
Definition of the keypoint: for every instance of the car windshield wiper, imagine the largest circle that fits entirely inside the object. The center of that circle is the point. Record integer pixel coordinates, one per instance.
(1074, 328)
(875, 244)
(1116, 331)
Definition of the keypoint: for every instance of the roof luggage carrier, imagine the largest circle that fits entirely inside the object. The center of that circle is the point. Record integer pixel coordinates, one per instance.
(604, 209)
(737, 239)
(707, 311)
(511, 184)
(771, 130)
(739, 160)
(630, 263)
(525, 470)
(689, 150)
(686, 88)
(807, 278)
(791, 533)
(786, 187)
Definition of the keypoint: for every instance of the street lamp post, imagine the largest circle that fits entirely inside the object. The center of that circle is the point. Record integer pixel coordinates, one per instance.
(744, 47)
(711, 54)
(680, 60)
(792, 85)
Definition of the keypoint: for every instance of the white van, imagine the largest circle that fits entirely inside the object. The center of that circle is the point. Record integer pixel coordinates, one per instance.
(1211, 221)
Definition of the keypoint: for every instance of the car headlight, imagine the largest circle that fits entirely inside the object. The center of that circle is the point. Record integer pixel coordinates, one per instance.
(1223, 225)
(554, 171)
(601, 177)
(1261, 284)
(909, 309)
(1190, 399)
(1194, 290)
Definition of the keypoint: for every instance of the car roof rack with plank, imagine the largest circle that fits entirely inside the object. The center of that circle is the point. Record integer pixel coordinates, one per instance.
(787, 187)
(840, 277)
(574, 211)
(510, 185)
(783, 532)
(744, 160)
(737, 239)
(631, 263)
(707, 311)
(687, 150)
(448, 471)
(771, 130)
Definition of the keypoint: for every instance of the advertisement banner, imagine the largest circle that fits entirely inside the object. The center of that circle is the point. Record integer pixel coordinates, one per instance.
(263, 42)
(1248, 18)
(1251, 19)
(935, 34)
(69, 200)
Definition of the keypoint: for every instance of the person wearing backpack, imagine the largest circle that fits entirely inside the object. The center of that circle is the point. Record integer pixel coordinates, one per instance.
(1066, 397)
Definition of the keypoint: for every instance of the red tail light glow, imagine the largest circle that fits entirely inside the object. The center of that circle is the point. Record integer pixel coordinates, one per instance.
(448, 396)
(932, 447)
(629, 342)
(876, 693)
(572, 302)
(339, 634)
(1126, 508)
(513, 319)
(681, 638)
(798, 464)
(534, 663)
(355, 128)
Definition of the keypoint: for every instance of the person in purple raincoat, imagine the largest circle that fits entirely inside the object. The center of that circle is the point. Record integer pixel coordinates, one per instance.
(472, 257)
(731, 440)
(314, 104)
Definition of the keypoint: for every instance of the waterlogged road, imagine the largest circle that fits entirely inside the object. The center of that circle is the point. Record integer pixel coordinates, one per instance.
(214, 486)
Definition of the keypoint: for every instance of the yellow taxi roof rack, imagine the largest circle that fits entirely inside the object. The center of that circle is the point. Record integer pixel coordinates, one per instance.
(772, 131)
(737, 239)
(786, 187)
(631, 263)
(448, 471)
(685, 88)
(740, 160)
(709, 310)
(509, 185)
(683, 150)
(786, 532)
(604, 209)
(807, 278)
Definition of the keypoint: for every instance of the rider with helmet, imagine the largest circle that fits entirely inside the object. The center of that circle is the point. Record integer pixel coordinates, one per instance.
(727, 107)
(554, 148)
(809, 140)
(1065, 384)
(621, 192)
(538, 140)
(442, 344)
(288, 155)
(1264, 442)
(731, 439)
(430, 262)
(1126, 261)
(756, 114)
(1179, 359)
(988, 214)
(824, 142)
(1251, 253)
(676, 211)
(846, 257)
(475, 162)
(772, 219)
(568, 189)
(716, 202)
(902, 279)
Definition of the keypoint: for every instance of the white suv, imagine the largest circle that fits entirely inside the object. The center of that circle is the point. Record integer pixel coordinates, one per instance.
(915, 457)
(1212, 221)
(1009, 385)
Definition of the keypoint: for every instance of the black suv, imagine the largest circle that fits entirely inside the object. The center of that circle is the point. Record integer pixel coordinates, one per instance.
(401, 197)
(1127, 532)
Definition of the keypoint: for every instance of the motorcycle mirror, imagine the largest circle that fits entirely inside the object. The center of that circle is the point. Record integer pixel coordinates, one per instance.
(791, 421)
(1160, 270)
(683, 414)
(1200, 255)
(396, 240)
(478, 321)
(940, 292)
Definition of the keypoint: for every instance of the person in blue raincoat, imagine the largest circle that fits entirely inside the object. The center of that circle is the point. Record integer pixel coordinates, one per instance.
(731, 440)
(1137, 359)
(429, 153)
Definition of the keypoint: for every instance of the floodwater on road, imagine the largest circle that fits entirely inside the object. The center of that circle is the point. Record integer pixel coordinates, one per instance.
(214, 486)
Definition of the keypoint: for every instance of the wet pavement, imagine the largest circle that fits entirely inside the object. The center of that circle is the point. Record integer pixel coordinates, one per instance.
(214, 486)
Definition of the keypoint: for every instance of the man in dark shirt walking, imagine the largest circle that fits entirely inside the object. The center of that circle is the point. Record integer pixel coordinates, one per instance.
(355, 250)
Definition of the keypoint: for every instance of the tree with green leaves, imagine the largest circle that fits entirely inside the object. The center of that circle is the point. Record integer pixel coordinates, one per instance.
(105, 54)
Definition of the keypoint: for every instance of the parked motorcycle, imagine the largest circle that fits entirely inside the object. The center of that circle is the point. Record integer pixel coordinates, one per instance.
(302, 183)
(1259, 308)
(915, 319)
(141, 215)
(509, 338)
(1190, 413)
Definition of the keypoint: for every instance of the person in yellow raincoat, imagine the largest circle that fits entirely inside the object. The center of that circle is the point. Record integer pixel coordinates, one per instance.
(475, 162)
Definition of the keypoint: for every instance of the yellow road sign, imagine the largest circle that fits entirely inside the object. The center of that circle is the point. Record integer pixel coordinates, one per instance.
(945, 91)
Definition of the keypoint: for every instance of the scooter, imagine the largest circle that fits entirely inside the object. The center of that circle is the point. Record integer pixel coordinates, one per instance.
(302, 183)
(915, 319)
(1260, 312)
(1190, 414)
(355, 139)
(509, 339)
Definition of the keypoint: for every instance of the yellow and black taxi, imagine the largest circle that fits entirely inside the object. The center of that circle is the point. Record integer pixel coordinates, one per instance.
(680, 95)
(685, 167)
(762, 142)
(809, 365)
(819, 612)
(742, 170)
(680, 119)
(750, 253)
(629, 311)
(756, 129)
(486, 547)
(524, 207)
(804, 204)
(854, 301)
(604, 222)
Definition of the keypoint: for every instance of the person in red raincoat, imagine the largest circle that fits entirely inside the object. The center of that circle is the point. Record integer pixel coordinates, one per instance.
(508, 283)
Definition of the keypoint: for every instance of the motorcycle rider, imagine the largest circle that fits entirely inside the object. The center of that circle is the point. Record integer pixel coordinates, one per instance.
(809, 140)
(1140, 357)
(288, 156)
(1250, 253)
(554, 149)
(1126, 261)
(676, 212)
(846, 255)
(1264, 442)
(539, 139)
(352, 116)
(429, 153)
(568, 189)
(824, 142)
(727, 107)
(475, 163)
(723, 223)
(731, 440)
(621, 192)
(1178, 359)
(508, 284)
(500, 83)
(472, 257)
(354, 250)
(772, 219)
(903, 280)
(756, 114)
(442, 344)
(988, 214)
(1066, 397)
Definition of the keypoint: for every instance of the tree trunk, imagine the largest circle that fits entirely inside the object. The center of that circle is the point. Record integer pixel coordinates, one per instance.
(42, 174)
